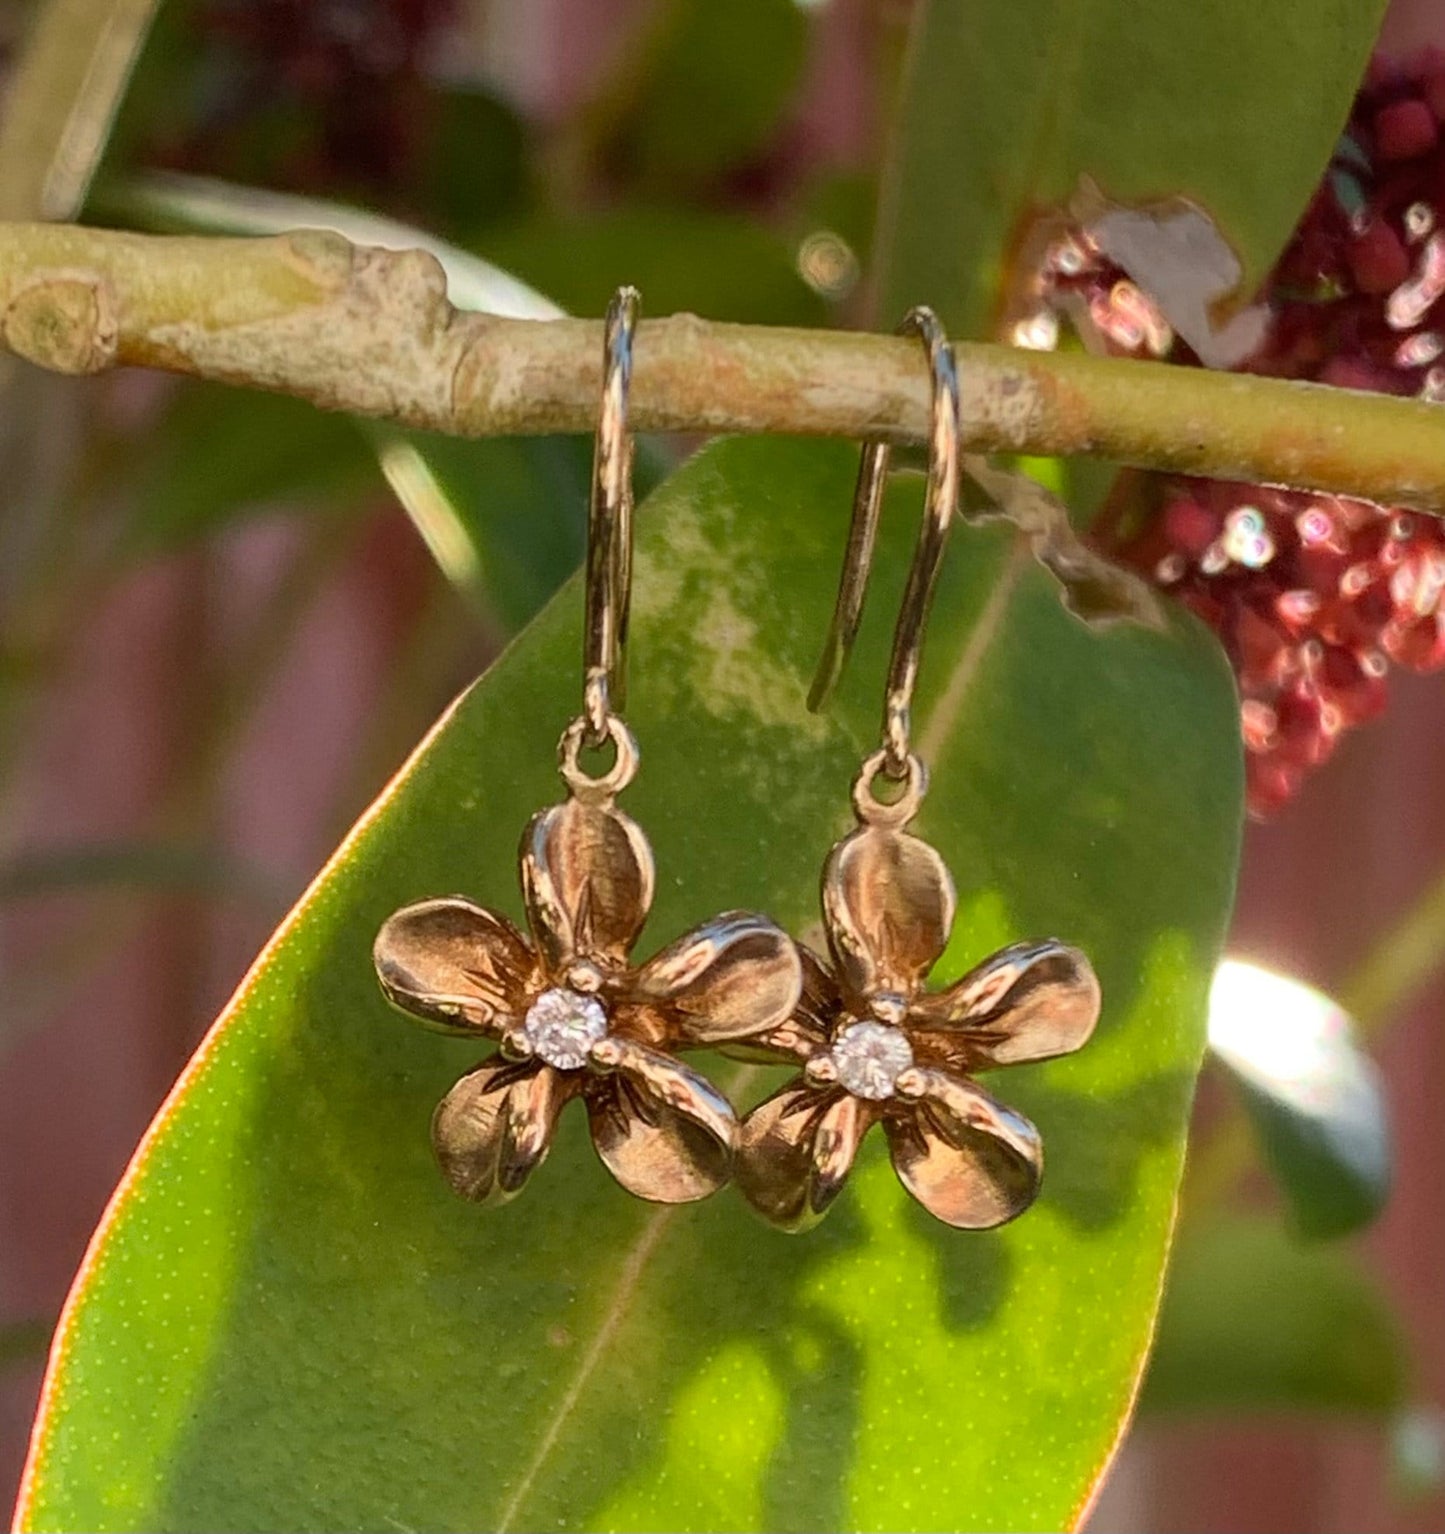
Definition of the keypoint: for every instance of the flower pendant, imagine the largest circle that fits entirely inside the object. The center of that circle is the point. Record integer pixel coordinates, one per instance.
(575, 1019)
(877, 1048)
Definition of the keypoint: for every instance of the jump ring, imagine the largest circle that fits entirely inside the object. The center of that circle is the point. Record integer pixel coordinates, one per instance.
(603, 787)
(873, 811)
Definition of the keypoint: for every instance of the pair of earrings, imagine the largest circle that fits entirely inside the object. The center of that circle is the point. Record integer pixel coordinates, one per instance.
(574, 1017)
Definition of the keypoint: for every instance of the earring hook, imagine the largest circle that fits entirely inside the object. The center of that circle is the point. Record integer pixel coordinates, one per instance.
(609, 529)
(940, 500)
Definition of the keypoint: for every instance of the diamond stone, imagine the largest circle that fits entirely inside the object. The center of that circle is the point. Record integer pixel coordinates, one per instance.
(870, 1057)
(562, 1026)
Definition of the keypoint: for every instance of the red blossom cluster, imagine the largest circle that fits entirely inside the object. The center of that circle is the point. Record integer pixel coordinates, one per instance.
(1314, 597)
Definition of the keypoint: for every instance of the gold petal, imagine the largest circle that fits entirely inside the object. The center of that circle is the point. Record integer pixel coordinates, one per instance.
(587, 877)
(807, 1029)
(821, 999)
(811, 1025)
(735, 977)
(494, 1128)
(1032, 1001)
(663, 1131)
(888, 905)
(455, 966)
(967, 1158)
(795, 1152)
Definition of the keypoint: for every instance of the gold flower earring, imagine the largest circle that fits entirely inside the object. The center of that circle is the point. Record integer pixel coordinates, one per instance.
(874, 1045)
(572, 1017)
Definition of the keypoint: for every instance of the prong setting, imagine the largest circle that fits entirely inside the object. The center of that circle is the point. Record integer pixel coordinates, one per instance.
(516, 1045)
(605, 1054)
(821, 1071)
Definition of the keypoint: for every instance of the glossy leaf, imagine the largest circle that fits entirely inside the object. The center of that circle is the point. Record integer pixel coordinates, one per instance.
(1314, 1097)
(1254, 1322)
(288, 1321)
(1008, 103)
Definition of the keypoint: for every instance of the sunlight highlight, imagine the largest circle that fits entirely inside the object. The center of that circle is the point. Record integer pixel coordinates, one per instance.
(1295, 1045)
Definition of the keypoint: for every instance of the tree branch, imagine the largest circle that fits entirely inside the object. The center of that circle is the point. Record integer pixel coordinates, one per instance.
(370, 331)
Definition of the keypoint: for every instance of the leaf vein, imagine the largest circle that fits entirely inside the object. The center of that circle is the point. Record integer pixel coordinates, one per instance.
(627, 1279)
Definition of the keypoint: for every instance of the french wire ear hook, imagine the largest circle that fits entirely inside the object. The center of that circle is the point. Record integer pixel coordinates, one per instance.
(609, 529)
(872, 1045)
(940, 501)
(572, 1013)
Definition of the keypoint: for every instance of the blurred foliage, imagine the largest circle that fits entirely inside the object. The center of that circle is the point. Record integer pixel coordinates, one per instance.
(311, 97)
(504, 518)
(707, 89)
(1333, 1165)
(218, 453)
(139, 865)
(714, 264)
(475, 172)
(1315, 1100)
(1253, 1322)
(61, 100)
(22, 1342)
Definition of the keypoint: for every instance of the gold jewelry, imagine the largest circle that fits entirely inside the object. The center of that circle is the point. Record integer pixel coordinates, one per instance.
(572, 1016)
(875, 1047)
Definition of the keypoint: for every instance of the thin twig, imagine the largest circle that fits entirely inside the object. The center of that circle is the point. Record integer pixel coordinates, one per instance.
(371, 332)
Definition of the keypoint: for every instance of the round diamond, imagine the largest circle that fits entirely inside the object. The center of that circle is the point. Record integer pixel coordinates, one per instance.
(870, 1057)
(562, 1026)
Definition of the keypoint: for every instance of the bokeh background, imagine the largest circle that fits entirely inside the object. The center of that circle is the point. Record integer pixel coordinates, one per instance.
(222, 627)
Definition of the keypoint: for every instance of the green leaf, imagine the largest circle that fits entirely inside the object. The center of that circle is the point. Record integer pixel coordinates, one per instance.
(714, 84)
(222, 453)
(718, 265)
(62, 98)
(1314, 1097)
(1008, 103)
(1253, 1322)
(289, 1322)
(504, 517)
